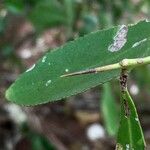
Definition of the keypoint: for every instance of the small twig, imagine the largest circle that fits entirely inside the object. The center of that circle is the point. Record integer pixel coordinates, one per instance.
(124, 64)
(123, 85)
(123, 79)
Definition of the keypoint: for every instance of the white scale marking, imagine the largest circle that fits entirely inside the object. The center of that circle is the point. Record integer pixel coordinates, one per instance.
(48, 82)
(119, 39)
(138, 43)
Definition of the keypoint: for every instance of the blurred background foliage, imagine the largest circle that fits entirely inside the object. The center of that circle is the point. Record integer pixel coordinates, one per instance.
(28, 29)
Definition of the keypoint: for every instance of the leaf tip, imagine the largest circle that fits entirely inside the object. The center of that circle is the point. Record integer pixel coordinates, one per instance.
(8, 94)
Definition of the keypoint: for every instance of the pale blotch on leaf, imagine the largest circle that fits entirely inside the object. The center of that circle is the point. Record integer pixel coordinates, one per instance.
(119, 40)
(136, 119)
(48, 82)
(138, 43)
(31, 68)
(66, 70)
(44, 59)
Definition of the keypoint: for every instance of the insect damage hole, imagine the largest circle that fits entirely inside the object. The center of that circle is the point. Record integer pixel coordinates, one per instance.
(119, 40)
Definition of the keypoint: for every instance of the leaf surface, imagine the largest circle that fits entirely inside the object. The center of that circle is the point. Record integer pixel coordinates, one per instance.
(47, 13)
(130, 135)
(42, 83)
(109, 110)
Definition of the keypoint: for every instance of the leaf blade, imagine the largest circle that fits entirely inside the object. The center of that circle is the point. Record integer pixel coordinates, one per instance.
(84, 53)
(109, 110)
(130, 135)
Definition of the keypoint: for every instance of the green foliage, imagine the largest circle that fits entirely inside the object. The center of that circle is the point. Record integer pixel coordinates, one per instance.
(14, 6)
(130, 135)
(42, 83)
(7, 51)
(47, 13)
(109, 110)
(90, 23)
(2, 25)
(38, 141)
(142, 76)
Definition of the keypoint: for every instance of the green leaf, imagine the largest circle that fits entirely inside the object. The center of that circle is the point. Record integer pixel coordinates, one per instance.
(42, 83)
(2, 25)
(69, 6)
(39, 142)
(70, 15)
(47, 13)
(109, 110)
(130, 135)
(14, 6)
(90, 23)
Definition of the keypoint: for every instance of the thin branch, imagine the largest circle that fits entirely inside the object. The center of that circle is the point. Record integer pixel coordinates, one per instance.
(124, 64)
